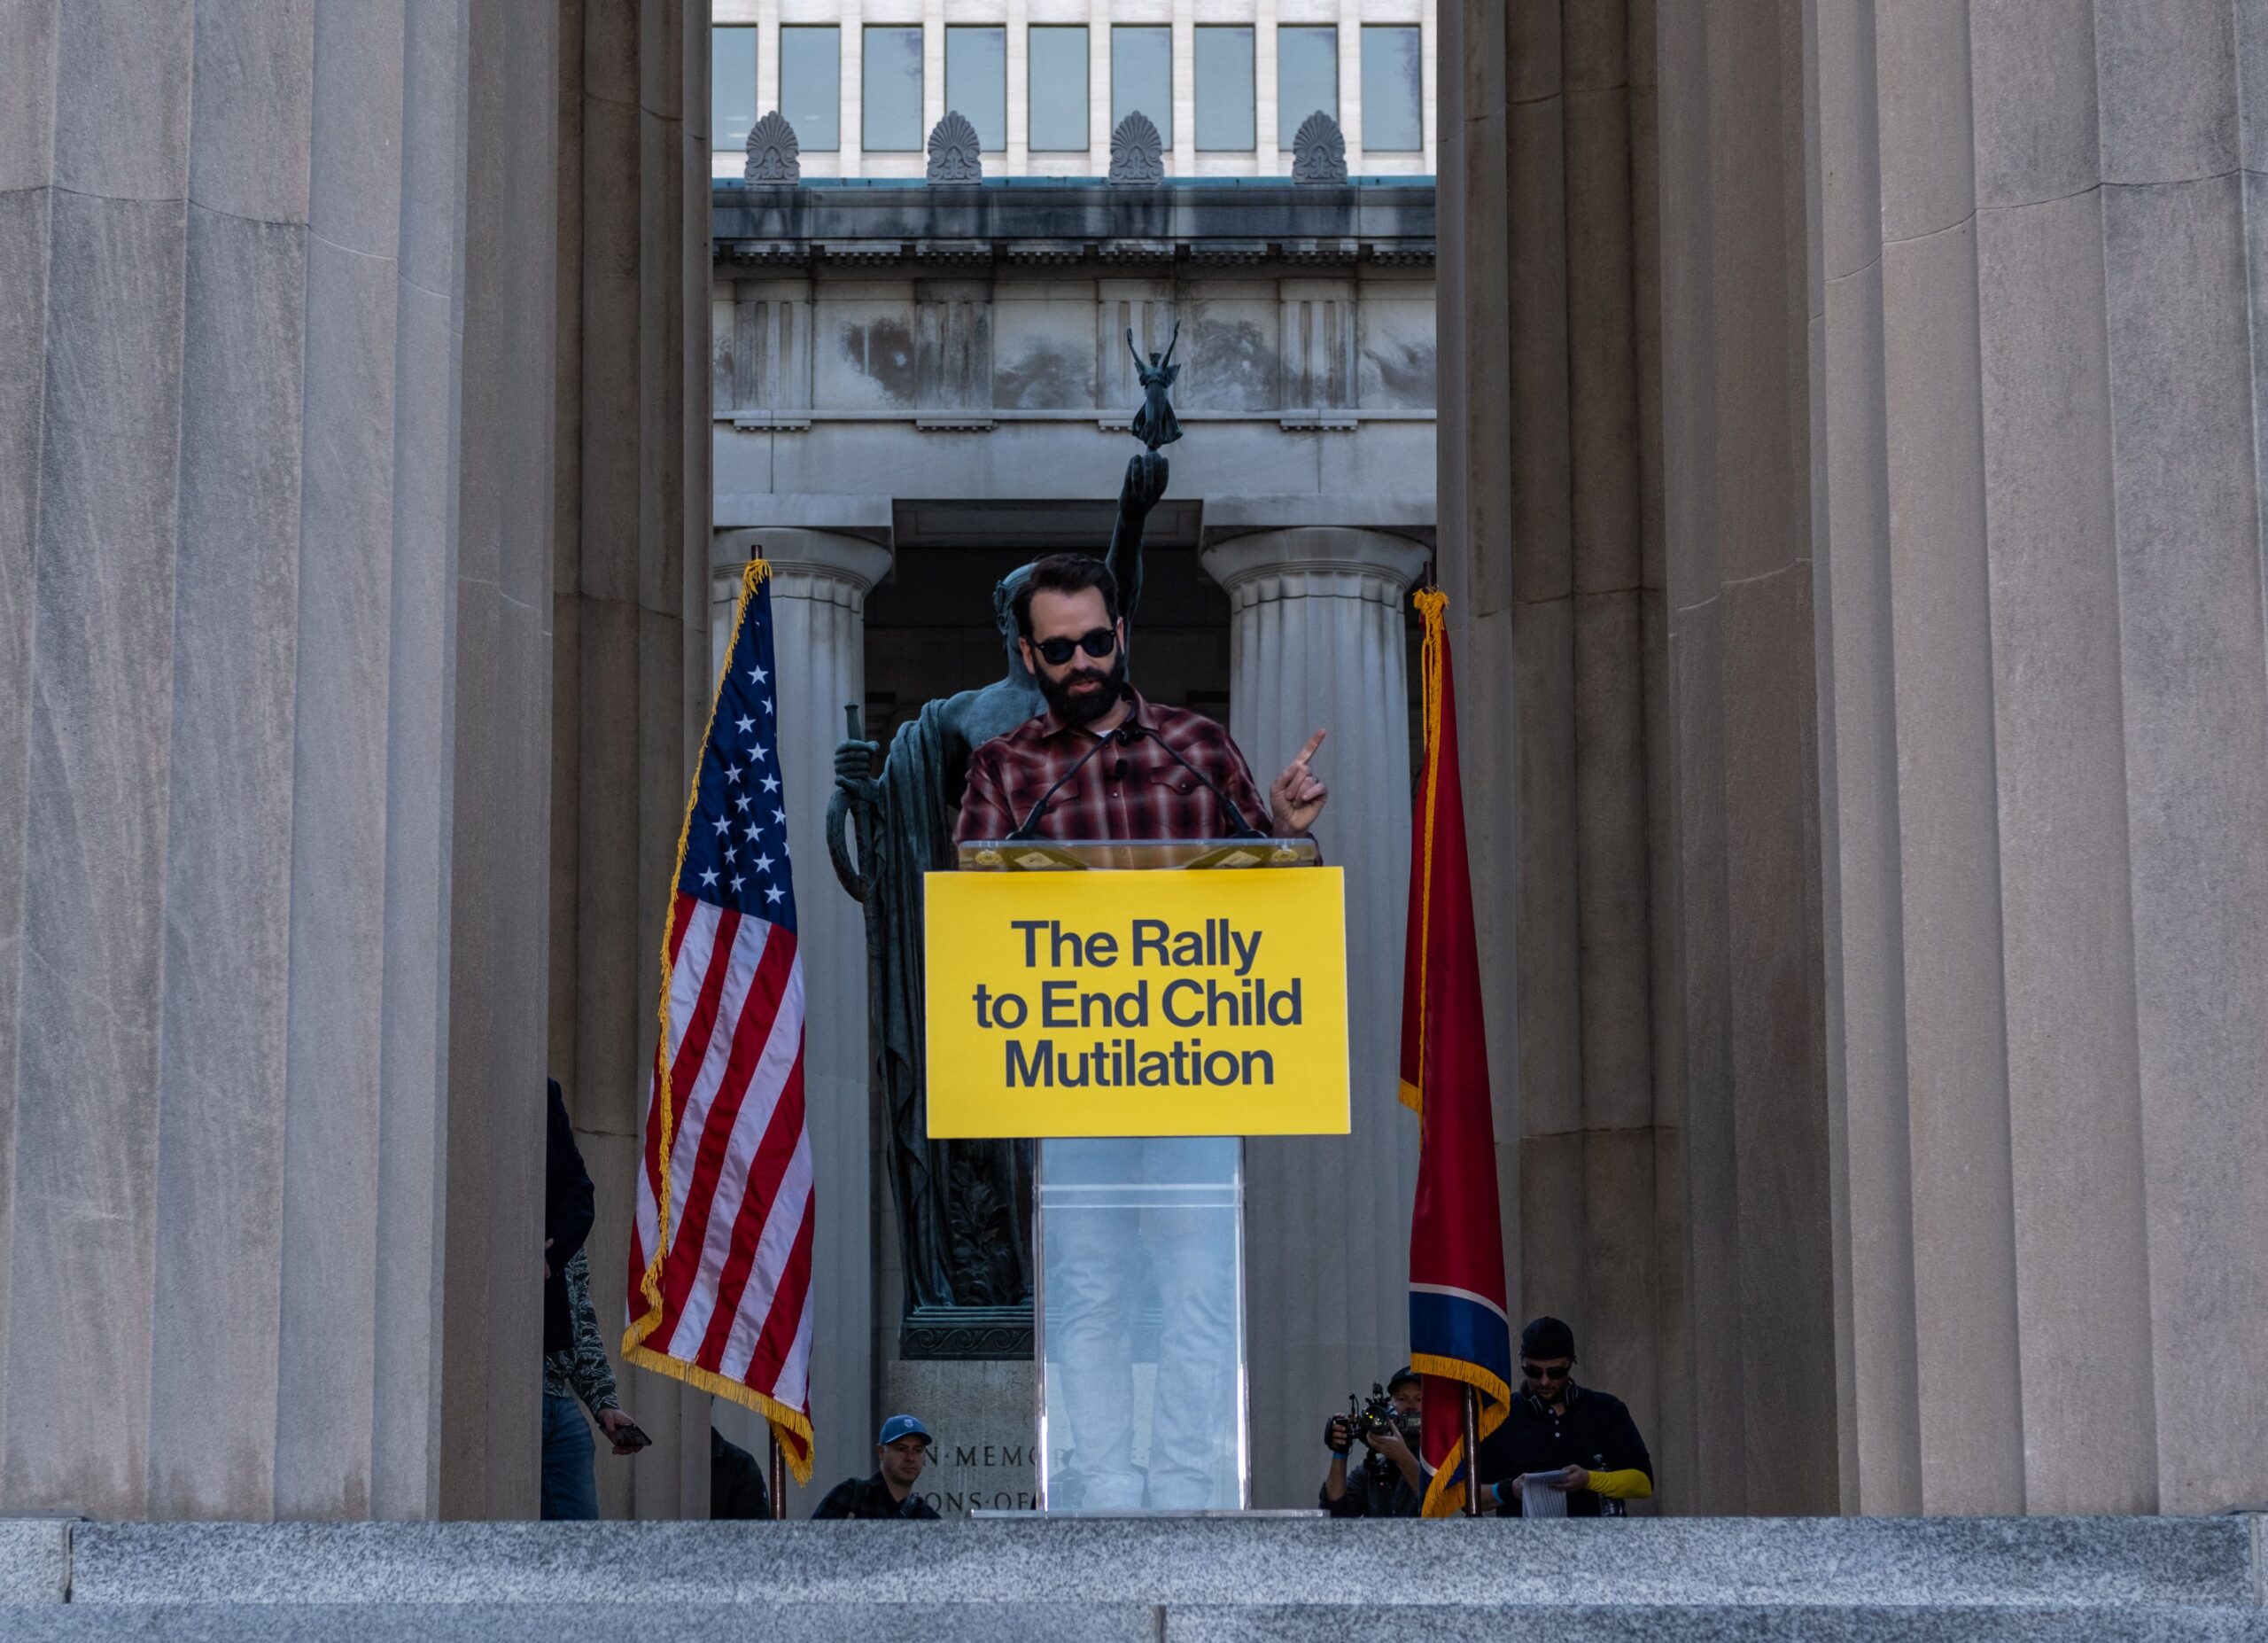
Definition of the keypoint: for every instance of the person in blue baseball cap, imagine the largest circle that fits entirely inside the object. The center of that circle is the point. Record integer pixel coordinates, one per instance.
(902, 1448)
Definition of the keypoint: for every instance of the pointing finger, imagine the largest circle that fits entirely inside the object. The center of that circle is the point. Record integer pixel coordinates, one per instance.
(1308, 752)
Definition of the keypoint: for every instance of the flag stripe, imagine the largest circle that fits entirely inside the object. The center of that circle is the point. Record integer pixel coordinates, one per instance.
(730, 1261)
(706, 1136)
(734, 1175)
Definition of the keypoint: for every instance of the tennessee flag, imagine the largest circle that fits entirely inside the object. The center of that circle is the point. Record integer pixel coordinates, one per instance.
(1459, 1335)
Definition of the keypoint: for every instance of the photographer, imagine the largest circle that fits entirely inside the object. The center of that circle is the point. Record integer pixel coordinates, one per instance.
(1389, 1483)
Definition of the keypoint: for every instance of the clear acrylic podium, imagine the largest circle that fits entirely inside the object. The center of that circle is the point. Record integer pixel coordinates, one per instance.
(1140, 1251)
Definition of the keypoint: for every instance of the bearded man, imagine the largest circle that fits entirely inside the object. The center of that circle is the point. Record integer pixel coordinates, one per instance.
(1175, 775)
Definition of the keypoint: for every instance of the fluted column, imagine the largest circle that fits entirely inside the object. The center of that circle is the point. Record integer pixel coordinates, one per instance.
(1318, 640)
(819, 582)
(274, 583)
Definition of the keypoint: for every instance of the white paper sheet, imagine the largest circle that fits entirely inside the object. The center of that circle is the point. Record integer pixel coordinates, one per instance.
(1538, 1498)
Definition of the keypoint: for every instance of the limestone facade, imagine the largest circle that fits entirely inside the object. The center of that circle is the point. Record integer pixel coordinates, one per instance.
(1850, 476)
(900, 372)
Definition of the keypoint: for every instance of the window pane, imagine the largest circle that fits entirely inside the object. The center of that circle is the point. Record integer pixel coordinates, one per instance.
(891, 83)
(811, 85)
(977, 82)
(1224, 102)
(732, 86)
(1394, 92)
(1141, 75)
(1059, 88)
(1307, 78)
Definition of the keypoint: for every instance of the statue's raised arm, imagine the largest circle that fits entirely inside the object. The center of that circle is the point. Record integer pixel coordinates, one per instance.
(1146, 483)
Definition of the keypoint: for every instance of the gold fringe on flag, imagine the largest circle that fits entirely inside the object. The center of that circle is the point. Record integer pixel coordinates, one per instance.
(1432, 604)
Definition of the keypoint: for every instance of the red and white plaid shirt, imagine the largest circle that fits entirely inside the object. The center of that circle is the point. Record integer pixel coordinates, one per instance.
(1136, 791)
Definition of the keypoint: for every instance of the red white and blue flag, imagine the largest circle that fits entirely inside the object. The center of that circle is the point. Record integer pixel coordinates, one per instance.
(1459, 1335)
(721, 1256)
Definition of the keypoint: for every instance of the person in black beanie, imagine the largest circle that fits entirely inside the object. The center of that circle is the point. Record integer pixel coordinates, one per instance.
(1585, 1438)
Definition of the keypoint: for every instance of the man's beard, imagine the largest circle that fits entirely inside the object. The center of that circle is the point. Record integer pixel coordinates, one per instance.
(1084, 707)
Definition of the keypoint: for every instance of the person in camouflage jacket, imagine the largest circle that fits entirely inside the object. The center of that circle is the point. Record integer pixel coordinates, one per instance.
(584, 1372)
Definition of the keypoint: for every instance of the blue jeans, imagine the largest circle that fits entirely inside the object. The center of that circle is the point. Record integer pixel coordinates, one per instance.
(571, 1488)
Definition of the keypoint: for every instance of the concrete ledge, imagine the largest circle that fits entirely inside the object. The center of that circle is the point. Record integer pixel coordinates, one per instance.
(2050, 1563)
(34, 1558)
(582, 1623)
(991, 1622)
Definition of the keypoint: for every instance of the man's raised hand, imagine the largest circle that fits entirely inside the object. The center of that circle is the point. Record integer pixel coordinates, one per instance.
(1297, 796)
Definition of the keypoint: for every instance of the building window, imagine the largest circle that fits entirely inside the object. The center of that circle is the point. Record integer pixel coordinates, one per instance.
(1141, 75)
(1224, 87)
(1307, 77)
(1058, 87)
(891, 84)
(977, 82)
(1393, 90)
(732, 87)
(810, 84)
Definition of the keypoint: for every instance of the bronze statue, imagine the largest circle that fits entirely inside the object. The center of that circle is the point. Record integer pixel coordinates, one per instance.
(964, 1207)
(1155, 424)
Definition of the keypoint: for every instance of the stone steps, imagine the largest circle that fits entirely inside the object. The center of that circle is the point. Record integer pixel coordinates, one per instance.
(1213, 1580)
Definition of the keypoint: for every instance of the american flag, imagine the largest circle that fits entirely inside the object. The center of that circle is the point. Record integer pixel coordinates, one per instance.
(720, 1259)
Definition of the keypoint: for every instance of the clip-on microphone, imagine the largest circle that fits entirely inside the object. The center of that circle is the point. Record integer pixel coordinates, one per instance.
(1239, 827)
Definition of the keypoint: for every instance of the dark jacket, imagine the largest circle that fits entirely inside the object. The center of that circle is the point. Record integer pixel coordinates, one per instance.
(1374, 1491)
(1595, 1432)
(870, 1496)
(736, 1486)
(569, 1208)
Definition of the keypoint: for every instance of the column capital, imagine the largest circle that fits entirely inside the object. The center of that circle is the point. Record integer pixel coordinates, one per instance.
(1314, 561)
(830, 565)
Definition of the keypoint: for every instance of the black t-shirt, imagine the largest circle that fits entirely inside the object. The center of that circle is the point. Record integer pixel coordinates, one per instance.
(870, 1496)
(736, 1486)
(1595, 1432)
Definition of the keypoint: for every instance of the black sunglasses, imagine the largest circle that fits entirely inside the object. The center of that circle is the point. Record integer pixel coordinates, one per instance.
(1097, 642)
(1539, 1372)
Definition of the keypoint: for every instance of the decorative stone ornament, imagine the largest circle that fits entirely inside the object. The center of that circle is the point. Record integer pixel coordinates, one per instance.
(773, 155)
(954, 153)
(1319, 151)
(1138, 153)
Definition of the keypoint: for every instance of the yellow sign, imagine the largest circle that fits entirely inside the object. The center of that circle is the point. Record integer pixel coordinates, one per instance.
(1164, 1003)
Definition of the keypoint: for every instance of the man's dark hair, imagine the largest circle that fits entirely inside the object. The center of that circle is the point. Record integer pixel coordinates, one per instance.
(1065, 574)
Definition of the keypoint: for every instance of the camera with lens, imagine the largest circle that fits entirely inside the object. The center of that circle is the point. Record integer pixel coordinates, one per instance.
(1370, 1416)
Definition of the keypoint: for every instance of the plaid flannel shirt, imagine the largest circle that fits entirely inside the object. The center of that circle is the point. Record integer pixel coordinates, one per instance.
(1127, 792)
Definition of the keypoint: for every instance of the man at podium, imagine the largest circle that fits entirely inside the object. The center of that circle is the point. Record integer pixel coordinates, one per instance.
(1133, 1222)
(1167, 773)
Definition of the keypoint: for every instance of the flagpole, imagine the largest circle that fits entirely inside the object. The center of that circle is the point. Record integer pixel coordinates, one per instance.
(779, 1474)
(1469, 1413)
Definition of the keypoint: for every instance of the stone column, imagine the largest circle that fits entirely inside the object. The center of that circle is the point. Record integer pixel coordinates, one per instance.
(2038, 261)
(632, 687)
(820, 582)
(273, 580)
(1318, 640)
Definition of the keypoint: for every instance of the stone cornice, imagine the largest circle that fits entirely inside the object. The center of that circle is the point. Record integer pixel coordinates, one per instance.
(1227, 222)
